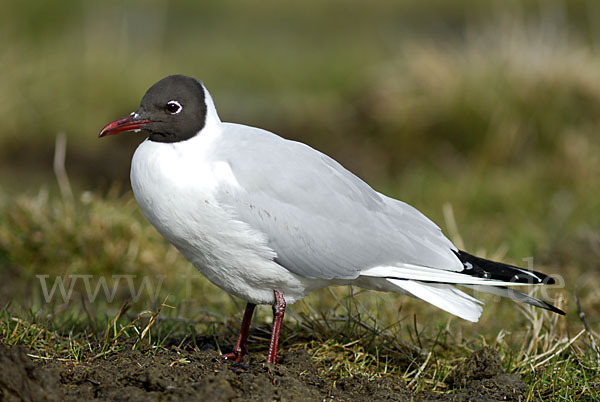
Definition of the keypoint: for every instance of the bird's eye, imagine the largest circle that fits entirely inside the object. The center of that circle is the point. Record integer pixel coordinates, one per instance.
(173, 107)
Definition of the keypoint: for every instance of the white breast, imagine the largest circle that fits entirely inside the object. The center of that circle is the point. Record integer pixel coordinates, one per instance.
(174, 184)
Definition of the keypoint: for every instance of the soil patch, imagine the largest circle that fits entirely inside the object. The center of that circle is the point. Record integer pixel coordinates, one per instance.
(200, 375)
(481, 377)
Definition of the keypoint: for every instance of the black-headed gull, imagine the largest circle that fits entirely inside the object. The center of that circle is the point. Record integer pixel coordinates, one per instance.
(269, 219)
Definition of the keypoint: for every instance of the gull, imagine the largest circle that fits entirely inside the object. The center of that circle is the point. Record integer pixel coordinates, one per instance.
(269, 220)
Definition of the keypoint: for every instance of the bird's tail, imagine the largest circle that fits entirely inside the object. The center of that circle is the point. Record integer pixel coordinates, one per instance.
(454, 301)
(435, 286)
(443, 296)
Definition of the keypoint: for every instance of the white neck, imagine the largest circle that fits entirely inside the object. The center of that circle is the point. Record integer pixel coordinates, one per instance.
(212, 118)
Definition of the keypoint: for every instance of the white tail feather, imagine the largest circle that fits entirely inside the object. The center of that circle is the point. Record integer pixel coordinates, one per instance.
(445, 297)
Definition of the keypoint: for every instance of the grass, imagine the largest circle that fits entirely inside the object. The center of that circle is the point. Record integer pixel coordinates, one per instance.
(483, 117)
(347, 331)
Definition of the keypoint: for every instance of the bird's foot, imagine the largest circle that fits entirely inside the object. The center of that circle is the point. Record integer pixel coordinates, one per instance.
(235, 356)
(269, 368)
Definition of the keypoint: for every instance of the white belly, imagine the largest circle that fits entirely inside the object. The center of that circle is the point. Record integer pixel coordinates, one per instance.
(175, 191)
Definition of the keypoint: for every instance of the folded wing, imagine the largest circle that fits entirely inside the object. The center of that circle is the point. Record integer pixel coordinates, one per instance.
(320, 219)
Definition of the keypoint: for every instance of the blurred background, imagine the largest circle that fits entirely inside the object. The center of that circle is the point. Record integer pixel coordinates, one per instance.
(483, 115)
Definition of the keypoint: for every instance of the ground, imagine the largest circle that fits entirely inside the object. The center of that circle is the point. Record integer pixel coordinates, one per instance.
(75, 342)
(173, 374)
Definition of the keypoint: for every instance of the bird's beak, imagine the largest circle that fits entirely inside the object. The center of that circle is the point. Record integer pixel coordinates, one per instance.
(129, 123)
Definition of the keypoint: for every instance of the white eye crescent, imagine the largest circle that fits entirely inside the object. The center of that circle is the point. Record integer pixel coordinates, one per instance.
(173, 107)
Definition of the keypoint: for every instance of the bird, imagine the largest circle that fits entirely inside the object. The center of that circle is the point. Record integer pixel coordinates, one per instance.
(269, 219)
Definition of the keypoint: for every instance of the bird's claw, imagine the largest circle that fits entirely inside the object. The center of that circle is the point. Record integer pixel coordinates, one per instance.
(233, 357)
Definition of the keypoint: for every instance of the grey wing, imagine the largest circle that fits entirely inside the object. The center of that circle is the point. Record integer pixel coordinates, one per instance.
(320, 219)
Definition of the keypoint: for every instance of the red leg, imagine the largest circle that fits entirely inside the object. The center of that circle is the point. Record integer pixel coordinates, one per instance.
(278, 311)
(239, 350)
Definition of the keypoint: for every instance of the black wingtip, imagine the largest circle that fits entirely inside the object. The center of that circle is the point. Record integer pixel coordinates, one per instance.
(555, 310)
(515, 295)
(550, 307)
(482, 268)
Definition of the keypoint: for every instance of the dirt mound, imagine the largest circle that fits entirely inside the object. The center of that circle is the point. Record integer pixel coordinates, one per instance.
(200, 375)
(22, 380)
(481, 378)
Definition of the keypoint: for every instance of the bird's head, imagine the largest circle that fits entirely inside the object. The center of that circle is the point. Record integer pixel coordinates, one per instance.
(172, 110)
